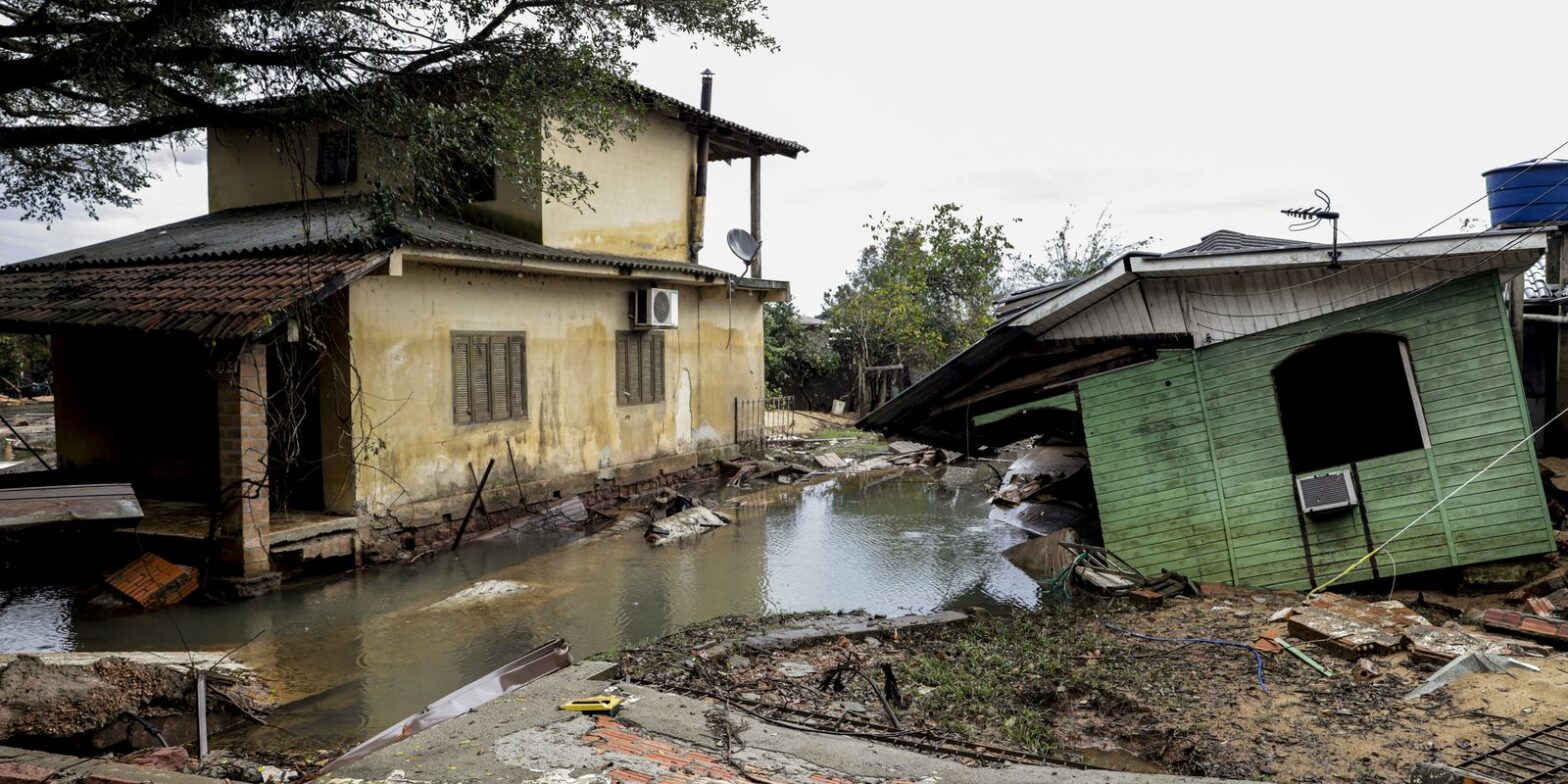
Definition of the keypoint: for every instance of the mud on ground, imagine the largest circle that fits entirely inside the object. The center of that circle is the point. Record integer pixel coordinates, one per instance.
(1060, 682)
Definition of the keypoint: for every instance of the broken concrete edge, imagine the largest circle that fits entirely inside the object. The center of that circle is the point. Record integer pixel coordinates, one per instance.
(816, 631)
(54, 767)
(501, 741)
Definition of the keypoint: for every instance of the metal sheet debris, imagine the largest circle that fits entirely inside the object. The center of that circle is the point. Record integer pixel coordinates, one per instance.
(1468, 664)
(537, 663)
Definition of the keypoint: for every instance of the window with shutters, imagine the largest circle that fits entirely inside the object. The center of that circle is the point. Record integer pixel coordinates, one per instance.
(489, 376)
(639, 367)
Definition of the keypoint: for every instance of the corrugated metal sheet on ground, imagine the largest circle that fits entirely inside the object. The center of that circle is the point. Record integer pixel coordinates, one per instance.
(208, 297)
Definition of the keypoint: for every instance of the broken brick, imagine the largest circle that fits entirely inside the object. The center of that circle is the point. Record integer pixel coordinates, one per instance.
(1528, 625)
(1146, 599)
(23, 773)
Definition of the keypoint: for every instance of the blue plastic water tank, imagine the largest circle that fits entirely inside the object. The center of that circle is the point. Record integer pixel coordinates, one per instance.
(1528, 193)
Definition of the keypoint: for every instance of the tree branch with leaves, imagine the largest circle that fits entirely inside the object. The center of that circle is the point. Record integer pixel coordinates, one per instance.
(91, 91)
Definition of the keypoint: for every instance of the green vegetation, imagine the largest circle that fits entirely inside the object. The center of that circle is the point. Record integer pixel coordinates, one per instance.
(1013, 675)
(797, 360)
(1067, 258)
(921, 292)
(92, 92)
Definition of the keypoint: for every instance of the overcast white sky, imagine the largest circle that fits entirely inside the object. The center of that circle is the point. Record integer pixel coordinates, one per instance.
(1182, 117)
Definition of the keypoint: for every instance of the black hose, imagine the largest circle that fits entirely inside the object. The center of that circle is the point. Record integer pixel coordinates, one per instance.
(151, 730)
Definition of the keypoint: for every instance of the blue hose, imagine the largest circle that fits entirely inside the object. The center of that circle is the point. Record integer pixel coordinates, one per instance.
(1228, 643)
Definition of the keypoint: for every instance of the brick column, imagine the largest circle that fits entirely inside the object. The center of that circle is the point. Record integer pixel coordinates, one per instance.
(242, 464)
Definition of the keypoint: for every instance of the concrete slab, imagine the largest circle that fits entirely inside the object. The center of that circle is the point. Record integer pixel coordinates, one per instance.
(525, 738)
(96, 769)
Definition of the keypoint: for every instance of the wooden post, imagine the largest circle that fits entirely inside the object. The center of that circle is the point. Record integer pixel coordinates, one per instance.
(756, 212)
(1516, 314)
(1557, 373)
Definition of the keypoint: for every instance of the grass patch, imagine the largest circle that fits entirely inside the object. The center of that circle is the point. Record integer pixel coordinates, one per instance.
(840, 432)
(1013, 675)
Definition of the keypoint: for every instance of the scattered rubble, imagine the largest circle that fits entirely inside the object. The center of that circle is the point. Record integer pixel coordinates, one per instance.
(154, 583)
(684, 525)
(111, 702)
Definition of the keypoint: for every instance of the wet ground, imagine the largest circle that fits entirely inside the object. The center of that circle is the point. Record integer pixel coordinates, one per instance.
(358, 652)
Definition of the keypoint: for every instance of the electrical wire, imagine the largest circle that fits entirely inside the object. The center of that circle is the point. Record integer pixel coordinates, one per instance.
(1401, 532)
(1534, 163)
(1422, 265)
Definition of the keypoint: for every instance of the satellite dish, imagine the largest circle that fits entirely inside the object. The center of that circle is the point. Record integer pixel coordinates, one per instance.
(743, 245)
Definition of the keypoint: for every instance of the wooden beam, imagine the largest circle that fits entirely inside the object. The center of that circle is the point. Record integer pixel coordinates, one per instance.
(1043, 377)
(756, 212)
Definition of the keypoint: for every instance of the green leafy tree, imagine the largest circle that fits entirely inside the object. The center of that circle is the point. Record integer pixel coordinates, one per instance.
(797, 359)
(921, 292)
(90, 91)
(1067, 257)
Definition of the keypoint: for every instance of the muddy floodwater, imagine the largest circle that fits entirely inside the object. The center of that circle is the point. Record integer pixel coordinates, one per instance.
(357, 652)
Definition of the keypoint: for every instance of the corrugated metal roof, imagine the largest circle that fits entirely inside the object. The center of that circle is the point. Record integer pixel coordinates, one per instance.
(723, 147)
(226, 297)
(326, 224)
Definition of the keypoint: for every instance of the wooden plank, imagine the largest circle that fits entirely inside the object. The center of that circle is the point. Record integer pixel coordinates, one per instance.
(31, 506)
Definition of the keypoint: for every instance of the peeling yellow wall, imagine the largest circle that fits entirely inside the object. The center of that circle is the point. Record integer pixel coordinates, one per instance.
(400, 330)
(249, 168)
(642, 205)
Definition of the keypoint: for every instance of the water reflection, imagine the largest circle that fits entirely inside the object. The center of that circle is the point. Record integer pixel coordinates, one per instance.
(364, 650)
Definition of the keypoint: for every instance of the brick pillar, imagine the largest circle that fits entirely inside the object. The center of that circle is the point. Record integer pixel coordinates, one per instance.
(242, 464)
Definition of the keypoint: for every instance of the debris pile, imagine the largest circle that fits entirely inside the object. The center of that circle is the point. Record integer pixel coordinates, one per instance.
(1046, 490)
(116, 703)
(684, 525)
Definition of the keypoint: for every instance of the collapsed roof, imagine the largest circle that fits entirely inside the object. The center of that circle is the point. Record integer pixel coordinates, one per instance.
(1228, 286)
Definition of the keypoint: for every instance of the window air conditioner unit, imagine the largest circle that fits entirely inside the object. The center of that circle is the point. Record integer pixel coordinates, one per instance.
(656, 308)
(1326, 492)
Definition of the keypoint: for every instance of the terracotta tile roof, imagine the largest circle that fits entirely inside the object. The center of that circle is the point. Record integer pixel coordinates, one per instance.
(222, 297)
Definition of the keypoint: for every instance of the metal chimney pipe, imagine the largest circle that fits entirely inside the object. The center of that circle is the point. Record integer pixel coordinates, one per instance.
(699, 193)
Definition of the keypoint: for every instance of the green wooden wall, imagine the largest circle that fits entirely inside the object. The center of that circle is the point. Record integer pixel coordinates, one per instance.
(1191, 473)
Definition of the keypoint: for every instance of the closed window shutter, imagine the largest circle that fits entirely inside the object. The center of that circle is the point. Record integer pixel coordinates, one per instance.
(500, 396)
(517, 354)
(657, 363)
(479, 378)
(634, 369)
(461, 405)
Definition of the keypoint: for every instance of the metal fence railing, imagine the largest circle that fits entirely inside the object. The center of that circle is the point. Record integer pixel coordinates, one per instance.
(758, 421)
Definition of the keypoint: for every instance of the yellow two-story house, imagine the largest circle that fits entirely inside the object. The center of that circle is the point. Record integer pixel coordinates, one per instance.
(305, 376)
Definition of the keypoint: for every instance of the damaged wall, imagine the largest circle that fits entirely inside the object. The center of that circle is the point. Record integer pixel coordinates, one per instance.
(642, 204)
(1191, 471)
(401, 336)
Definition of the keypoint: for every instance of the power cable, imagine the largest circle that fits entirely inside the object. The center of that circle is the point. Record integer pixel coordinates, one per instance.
(1534, 163)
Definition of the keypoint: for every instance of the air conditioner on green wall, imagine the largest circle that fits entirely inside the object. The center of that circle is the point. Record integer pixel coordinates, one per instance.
(1326, 492)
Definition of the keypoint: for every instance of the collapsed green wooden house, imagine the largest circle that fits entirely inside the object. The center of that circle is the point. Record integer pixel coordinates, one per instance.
(1255, 414)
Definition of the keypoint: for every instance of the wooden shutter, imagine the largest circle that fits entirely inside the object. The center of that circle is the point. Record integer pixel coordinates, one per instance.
(644, 368)
(656, 363)
(462, 410)
(517, 355)
(479, 377)
(621, 362)
(500, 395)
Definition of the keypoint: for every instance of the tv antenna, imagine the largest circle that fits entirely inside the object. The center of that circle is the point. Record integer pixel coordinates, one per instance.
(1310, 217)
(743, 245)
